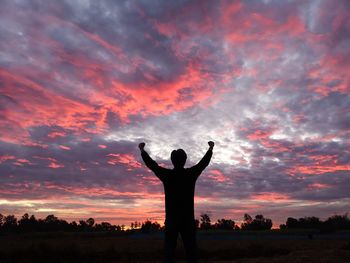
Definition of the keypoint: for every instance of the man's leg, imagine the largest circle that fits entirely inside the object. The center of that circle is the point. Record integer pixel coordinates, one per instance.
(171, 233)
(188, 235)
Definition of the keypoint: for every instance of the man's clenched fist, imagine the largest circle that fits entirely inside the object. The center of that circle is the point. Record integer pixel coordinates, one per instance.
(141, 146)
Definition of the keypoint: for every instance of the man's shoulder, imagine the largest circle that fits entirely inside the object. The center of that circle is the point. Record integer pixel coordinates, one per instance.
(190, 169)
(165, 170)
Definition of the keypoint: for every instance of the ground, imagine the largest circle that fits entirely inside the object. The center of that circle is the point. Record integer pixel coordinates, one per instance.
(97, 247)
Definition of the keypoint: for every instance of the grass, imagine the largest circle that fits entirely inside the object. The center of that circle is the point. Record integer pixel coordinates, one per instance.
(70, 247)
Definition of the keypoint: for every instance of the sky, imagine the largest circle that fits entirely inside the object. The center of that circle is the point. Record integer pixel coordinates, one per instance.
(83, 82)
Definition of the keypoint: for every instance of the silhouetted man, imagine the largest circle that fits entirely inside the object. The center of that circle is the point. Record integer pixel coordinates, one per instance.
(179, 186)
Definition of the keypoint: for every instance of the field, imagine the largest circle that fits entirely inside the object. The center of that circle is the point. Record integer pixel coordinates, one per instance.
(217, 247)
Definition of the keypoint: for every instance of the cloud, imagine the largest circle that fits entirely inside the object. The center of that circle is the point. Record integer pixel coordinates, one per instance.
(83, 82)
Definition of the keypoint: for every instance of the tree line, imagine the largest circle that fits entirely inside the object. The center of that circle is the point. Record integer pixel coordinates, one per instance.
(333, 223)
(29, 223)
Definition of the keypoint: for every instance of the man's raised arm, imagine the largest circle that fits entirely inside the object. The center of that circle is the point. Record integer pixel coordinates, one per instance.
(150, 163)
(204, 162)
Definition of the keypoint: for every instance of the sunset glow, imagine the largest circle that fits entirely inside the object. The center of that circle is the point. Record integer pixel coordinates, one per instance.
(83, 82)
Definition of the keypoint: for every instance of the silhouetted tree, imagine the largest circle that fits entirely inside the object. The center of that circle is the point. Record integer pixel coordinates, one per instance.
(292, 222)
(90, 222)
(135, 225)
(283, 226)
(83, 226)
(247, 218)
(205, 221)
(1, 220)
(73, 226)
(311, 222)
(149, 226)
(226, 224)
(336, 222)
(259, 223)
(196, 222)
(51, 219)
(26, 223)
(52, 223)
(107, 227)
(9, 223)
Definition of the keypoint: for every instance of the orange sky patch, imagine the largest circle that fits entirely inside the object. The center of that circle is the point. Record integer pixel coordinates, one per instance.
(273, 197)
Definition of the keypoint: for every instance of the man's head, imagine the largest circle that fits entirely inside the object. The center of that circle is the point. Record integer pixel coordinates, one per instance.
(178, 158)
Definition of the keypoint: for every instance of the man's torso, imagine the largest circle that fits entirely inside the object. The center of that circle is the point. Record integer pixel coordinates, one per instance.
(179, 188)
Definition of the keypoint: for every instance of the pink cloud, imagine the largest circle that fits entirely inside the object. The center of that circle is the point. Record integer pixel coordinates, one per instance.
(318, 186)
(128, 159)
(55, 165)
(217, 175)
(270, 196)
(63, 147)
(6, 157)
(102, 146)
(315, 169)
